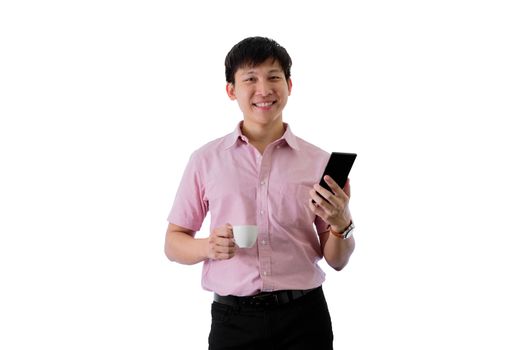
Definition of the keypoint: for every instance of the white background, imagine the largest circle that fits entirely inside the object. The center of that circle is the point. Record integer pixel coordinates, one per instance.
(102, 102)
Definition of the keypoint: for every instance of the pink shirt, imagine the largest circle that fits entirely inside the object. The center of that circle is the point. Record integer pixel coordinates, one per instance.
(229, 178)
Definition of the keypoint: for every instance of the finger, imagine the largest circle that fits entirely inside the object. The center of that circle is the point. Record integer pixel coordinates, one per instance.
(224, 256)
(226, 242)
(224, 231)
(332, 201)
(334, 186)
(347, 189)
(229, 230)
(231, 252)
(316, 197)
(225, 249)
(324, 193)
(317, 210)
(321, 203)
(223, 252)
(313, 205)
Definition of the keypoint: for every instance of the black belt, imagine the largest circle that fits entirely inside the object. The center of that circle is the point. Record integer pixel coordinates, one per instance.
(263, 299)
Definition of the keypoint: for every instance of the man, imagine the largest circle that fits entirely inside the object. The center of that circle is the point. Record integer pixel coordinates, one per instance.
(268, 296)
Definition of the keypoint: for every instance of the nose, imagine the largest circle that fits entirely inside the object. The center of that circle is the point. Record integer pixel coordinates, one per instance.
(264, 88)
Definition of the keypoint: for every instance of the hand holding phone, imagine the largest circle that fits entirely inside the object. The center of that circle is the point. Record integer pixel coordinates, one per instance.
(338, 167)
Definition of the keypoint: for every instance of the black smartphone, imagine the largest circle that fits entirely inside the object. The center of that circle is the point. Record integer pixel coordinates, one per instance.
(338, 167)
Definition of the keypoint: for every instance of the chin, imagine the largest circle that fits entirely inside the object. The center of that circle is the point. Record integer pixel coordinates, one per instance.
(264, 119)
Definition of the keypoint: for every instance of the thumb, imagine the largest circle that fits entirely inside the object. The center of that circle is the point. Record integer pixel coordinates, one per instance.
(346, 187)
(229, 229)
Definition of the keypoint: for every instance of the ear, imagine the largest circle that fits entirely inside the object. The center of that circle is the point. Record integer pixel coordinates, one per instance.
(289, 86)
(230, 89)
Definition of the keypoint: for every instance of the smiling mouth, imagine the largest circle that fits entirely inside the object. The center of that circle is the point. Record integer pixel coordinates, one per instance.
(264, 104)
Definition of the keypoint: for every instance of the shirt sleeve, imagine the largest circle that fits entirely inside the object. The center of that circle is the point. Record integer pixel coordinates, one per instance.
(190, 206)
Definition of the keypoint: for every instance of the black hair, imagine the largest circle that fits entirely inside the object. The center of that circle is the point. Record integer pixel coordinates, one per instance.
(254, 51)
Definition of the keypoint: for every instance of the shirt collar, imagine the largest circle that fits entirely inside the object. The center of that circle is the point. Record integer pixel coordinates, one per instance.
(237, 135)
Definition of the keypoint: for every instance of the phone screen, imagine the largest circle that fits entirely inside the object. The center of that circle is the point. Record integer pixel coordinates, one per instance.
(338, 167)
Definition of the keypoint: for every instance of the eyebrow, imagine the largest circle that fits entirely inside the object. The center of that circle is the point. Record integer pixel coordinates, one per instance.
(252, 71)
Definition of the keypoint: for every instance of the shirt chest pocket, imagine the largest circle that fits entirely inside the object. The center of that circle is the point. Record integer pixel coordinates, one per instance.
(291, 205)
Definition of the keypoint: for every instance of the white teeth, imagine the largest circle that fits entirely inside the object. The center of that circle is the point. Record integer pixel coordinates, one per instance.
(265, 104)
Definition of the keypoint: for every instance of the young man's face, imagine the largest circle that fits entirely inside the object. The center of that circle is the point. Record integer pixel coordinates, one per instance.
(261, 92)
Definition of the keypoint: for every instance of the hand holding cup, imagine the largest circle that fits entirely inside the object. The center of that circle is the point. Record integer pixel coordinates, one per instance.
(221, 245)
(245, 235)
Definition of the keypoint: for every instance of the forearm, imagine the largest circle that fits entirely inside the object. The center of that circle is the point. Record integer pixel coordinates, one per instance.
(337, 251)
(184, 248)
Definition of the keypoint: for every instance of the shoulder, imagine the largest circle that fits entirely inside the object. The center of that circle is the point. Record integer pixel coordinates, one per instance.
(210, 149)
(310, 149)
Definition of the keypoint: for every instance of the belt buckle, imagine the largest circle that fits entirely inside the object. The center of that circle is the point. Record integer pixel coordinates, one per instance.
(265, 299)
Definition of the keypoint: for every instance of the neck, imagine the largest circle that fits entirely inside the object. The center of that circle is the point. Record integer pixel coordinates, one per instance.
(262, 135)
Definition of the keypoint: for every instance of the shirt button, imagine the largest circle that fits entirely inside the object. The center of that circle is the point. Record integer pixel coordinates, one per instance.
(265, 273)
(262, 183)
(261, 212)
(264, 242)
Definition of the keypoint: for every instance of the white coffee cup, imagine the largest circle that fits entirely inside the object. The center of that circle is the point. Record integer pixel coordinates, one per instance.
(245, 235)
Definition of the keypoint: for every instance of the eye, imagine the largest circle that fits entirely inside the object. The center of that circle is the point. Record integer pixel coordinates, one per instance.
(274, 77)
(249, 79)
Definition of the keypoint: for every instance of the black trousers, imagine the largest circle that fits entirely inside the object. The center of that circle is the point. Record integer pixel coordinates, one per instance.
(302, 324)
